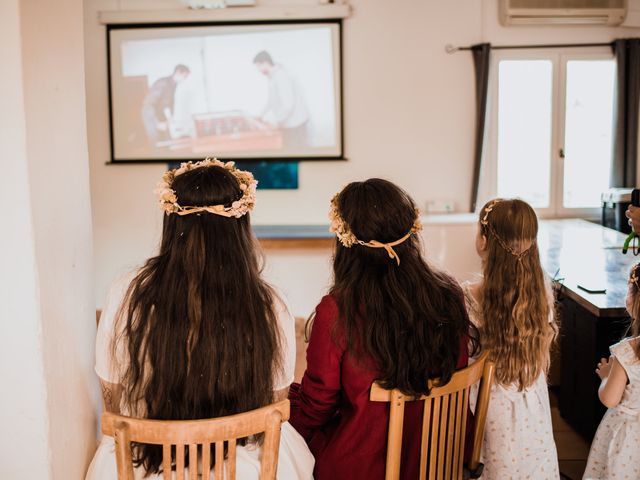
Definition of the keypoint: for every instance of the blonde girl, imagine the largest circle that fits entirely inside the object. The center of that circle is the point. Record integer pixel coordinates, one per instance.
(513, 308)
(615, 447)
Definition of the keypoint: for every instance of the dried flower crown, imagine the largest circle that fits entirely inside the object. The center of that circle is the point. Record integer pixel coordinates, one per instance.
(169, 200)
(348, 239)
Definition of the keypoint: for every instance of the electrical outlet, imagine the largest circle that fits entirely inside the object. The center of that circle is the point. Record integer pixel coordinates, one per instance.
(440, 206)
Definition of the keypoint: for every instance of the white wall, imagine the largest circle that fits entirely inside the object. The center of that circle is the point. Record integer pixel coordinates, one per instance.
(23, 412)
(48, 325)
(409, 117)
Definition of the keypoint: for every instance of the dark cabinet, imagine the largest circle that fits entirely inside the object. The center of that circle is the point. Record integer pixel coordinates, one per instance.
(584, 339)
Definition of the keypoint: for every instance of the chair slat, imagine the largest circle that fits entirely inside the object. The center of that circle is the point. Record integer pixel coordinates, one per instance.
(268, 468)
(435, 423)
(482, 406)
(206, 460)
(166, 461)
(449, 462)
(394, 445)
(193, 461)
(463, 424)
(457, 447)
(424, 443)
(180, 462)
(219, 467)
(231, 459)
(123, 450)
(443, 435)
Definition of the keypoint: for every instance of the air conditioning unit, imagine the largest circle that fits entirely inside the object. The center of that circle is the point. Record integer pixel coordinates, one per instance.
(562, 12)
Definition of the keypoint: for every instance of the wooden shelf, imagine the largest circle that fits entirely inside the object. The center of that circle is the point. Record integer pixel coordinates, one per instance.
(229, 14)
(297, 243)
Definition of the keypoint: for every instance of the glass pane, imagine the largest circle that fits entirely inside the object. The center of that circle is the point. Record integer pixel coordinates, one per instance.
(588, 131)
(524, 130)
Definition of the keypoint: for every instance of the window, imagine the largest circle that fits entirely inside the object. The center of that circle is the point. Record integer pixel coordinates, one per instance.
(524, 130)
(551, 130)
(588, 131)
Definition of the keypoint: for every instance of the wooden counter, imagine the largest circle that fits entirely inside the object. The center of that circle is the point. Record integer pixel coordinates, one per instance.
(583, 253)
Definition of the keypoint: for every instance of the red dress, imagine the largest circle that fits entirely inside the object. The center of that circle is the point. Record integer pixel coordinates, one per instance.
(330, 408)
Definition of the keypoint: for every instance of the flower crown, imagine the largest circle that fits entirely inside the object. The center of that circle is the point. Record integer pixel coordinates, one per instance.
(633, 278)
(169, 200)
(484, 221)
(348, 239)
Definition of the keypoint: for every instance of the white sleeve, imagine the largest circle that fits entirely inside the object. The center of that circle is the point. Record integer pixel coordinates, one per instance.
(627, 358)
(110, 363)
(284, 377)
(286, 96)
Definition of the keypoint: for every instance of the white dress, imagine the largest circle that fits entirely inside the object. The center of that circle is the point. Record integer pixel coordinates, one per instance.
(295, 461)
(518, 438)
(615, 451)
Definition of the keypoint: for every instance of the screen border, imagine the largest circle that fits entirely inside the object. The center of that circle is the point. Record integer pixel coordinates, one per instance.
(150, 26)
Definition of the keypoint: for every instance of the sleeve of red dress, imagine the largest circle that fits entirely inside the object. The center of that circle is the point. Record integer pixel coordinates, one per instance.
(315, 400)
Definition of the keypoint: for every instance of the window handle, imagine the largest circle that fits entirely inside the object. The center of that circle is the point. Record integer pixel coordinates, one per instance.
(561, 153)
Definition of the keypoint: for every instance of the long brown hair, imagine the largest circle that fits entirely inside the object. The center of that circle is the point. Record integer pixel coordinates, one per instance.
(408, 317)
(200, 330)
(517, 324)
(634, 305)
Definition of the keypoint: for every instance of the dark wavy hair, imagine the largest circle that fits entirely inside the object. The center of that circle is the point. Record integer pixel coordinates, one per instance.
(409, 318)
(200, 329)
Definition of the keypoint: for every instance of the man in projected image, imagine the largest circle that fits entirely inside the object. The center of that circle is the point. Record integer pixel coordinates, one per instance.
(157, 107)
(286, 107)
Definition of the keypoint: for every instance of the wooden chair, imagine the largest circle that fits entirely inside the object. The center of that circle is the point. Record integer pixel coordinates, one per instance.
(444, 423)
(198, 435)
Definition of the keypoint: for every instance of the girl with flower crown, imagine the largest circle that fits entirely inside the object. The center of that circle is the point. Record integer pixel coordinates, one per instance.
(614, 451)
(389, 317)
(196, 332)
(513, 308)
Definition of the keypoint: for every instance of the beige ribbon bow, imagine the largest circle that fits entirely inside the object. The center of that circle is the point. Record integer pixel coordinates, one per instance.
(216, 210)
(387, 246)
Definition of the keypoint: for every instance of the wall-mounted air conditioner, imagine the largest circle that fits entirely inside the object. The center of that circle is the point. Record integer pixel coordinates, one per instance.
(562, 12)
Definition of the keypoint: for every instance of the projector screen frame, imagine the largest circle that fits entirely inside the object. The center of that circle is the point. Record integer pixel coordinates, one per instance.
(150, 26)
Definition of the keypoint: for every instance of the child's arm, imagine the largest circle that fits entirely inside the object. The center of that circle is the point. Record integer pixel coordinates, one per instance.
(111, 394)
(614, 381)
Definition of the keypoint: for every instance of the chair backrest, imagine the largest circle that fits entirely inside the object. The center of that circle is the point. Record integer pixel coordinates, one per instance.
(444, 422)
(198, 436)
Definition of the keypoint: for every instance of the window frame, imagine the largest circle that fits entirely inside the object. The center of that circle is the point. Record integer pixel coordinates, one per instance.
(556, 208)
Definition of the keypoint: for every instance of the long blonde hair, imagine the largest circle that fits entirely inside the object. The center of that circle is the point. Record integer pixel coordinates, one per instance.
(518, 324)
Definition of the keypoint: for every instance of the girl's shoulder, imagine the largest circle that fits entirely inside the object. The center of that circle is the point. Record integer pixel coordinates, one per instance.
(625, 352)
(320, 326)
(116, 295)
(471, 289)
(327, 310)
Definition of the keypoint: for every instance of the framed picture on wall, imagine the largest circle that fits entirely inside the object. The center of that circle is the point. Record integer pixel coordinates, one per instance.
(250, 91)
(271, 175)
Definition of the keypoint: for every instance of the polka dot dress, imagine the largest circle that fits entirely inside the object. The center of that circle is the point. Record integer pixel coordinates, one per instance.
(518, 440)
(615, 451)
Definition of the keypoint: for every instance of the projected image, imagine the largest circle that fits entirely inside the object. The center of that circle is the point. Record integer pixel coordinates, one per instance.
(256, 92)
